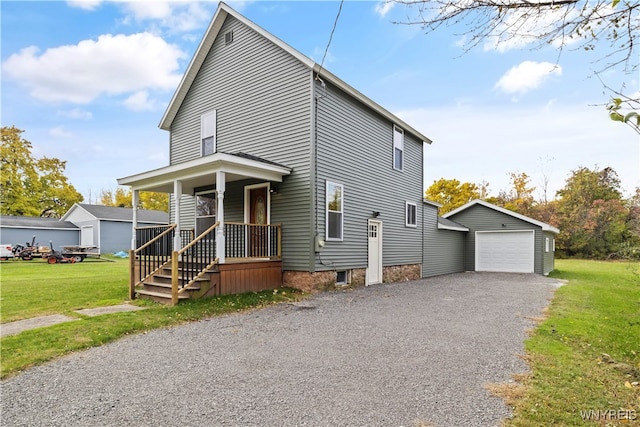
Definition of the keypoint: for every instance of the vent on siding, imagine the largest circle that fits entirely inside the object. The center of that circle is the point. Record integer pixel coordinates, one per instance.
(228, 37)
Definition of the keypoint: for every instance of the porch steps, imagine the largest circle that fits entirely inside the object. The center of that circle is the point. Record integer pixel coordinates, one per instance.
(158, 286)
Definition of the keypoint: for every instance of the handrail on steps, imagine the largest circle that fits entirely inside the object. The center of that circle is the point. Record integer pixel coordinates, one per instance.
(132, 259)
(175, 259)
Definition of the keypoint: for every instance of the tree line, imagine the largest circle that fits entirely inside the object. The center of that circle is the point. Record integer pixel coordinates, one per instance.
(594, 218)
(31, 186)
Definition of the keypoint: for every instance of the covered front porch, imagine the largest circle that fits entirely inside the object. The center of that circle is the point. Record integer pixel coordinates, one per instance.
(206, 255)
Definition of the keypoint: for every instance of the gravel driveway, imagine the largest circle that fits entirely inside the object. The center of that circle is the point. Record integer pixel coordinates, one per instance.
(403, 354)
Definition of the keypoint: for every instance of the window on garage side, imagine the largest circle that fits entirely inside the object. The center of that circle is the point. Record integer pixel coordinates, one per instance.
(411, 210)
(398, 148)
(335, 210)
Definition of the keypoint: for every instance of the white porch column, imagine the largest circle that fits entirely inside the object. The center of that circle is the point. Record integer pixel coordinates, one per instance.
(177, 195)
(135, 200)
(220, 187)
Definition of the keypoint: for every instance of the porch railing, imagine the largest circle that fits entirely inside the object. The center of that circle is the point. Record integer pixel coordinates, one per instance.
(195, 259)
(253, 240)
(186, 236)
(154, 247)
(198, 255)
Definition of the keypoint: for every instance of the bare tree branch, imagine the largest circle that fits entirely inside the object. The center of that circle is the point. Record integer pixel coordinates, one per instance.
(575, 24)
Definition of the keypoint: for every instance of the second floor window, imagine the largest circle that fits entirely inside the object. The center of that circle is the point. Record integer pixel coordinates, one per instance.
(398, 148)
(208, 132)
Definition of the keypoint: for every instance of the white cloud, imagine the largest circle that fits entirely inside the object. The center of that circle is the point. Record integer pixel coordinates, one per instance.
(85, 4)
(60, 132)
(177, 16)
(113, 64)
(76, 114)
(140, 101)
(521, 29)
(383, 7)
(526, 76)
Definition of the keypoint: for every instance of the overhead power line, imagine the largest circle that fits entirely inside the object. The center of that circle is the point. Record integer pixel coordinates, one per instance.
(331, 36)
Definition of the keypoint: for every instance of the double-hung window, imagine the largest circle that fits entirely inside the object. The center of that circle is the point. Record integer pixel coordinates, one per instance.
(208, 132)
(411, 215)
(335, 210)
(398, 148)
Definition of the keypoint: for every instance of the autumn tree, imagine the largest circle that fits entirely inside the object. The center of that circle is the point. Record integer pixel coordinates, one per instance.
(519, 198)
(148, 199)
(593, 217)
(30, 186)
(452, 194)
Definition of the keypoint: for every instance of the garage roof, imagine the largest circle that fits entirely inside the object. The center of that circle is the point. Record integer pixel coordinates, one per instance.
(35, 222)
(111, 213)
(543, 225)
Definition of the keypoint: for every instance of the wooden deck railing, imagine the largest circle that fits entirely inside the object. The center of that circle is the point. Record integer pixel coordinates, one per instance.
(155, 245)
(253, 240)
(197, 256)
(195, 260)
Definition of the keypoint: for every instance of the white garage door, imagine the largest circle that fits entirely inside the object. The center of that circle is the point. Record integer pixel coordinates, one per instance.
(505, 251)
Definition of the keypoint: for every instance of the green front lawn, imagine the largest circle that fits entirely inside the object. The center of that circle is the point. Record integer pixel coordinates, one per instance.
(35, 288)
(585, 357)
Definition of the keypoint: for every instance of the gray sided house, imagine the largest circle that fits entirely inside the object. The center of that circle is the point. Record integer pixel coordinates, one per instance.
(21, 229)
(443, 243)
(108, 227)
(501, 240)
(261, 135)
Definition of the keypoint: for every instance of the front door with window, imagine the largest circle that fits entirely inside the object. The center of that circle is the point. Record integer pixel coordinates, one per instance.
(374, 267)
(258, 236)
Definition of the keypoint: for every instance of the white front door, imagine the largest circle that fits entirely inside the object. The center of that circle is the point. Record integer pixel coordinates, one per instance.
(374, 267)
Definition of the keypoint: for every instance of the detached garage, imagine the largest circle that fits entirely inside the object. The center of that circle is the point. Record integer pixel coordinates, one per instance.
(504, 241)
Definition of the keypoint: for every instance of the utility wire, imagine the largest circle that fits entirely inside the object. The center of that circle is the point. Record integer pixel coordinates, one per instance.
(331, 36)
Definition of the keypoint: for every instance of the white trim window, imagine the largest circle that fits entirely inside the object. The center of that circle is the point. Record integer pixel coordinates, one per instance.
(335, 211)
(411, 214)
(208, 132)
(398, 148)
(547, 244)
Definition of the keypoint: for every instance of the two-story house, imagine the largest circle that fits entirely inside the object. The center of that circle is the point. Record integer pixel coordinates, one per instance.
(282, 173)
(261, 135)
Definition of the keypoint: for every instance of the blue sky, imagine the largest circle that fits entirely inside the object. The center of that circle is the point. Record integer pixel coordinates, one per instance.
(88, 81)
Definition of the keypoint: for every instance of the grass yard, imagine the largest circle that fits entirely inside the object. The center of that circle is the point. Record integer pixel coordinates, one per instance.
(585, 357)
(35, 288)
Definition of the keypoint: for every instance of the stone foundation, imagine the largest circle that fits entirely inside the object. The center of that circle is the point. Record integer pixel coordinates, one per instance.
(358, 276)
(309, 282)
(323, 280)
(401, 273)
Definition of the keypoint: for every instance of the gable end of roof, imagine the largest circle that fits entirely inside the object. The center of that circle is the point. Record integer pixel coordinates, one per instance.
(544, 226)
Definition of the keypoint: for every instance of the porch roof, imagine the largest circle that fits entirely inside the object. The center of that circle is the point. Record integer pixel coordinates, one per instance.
(201, 172)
